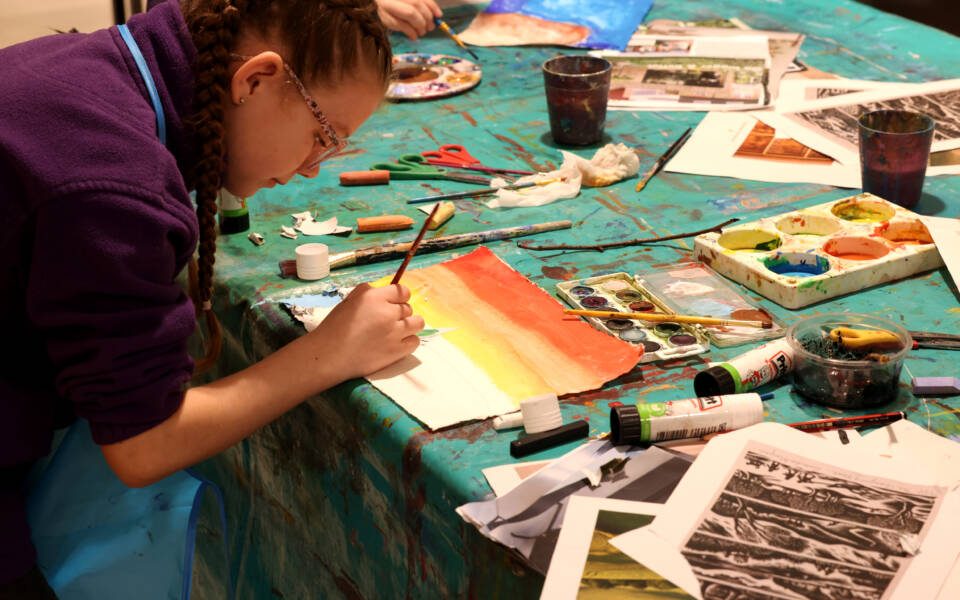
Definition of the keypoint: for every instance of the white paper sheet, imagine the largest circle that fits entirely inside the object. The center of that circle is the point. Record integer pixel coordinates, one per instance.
(946, 235)
(504, 478)
(756, 495)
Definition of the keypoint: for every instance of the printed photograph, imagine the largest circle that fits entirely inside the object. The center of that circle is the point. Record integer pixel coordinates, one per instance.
(688, 79)
(787, 527)
(609, 573)
(762, 142)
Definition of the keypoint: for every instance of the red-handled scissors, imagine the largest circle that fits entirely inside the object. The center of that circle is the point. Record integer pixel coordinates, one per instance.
(456, 156)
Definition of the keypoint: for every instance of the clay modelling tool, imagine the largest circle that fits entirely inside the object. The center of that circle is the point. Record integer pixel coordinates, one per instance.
(413, 247)
(446, 29)
(936, 386)
(673, 149)
(456, 156)
(374, 254)
(414, 166)
(667, 318)
(874, 420)
(940, 341)
(475, 193)
(383, 223)
(864, 340)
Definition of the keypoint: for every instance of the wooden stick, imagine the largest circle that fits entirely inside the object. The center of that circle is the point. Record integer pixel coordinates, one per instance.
(634, 242)
(663, 318)
(414, 246)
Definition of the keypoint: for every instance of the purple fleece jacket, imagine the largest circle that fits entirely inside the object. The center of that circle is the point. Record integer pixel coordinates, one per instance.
(96, 225)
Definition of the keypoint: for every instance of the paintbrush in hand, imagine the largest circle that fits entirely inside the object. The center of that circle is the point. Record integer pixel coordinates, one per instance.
(446, 29)
(414, 246)
(674, 147)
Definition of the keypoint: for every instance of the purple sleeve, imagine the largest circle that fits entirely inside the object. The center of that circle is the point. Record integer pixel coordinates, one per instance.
(103, 294)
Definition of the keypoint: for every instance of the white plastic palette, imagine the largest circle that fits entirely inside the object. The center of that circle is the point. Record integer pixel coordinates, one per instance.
(810, 255)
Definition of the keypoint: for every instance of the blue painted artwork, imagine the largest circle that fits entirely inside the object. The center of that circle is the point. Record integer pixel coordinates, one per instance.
(608, 24)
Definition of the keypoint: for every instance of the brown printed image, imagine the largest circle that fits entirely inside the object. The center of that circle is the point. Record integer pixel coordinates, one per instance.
(762, 143)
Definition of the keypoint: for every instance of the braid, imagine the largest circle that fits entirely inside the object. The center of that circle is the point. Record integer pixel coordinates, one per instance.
(213, 31)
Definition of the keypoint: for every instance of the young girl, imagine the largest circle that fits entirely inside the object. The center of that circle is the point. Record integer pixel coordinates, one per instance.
(102, 137)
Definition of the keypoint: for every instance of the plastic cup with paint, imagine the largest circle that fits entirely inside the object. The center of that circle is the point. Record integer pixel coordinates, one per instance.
(894, 151)
(577, 88)
(313, 261)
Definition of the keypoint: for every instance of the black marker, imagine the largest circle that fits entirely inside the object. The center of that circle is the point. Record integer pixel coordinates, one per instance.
(536, 442)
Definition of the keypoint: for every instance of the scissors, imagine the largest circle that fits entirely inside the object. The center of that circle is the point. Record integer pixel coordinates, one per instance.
(414, 166)
(457, 157)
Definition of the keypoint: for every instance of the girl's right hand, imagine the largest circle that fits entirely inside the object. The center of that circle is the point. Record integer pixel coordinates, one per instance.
(371, 329)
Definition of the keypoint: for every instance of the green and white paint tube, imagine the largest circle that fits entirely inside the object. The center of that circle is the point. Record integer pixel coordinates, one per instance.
(233, 214)
(747, 371)
(649, 422)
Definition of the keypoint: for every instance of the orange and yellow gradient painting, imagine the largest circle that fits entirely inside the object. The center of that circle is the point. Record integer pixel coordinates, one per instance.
(501, 340)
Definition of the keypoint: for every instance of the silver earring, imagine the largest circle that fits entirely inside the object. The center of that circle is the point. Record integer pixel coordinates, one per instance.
(242, 100)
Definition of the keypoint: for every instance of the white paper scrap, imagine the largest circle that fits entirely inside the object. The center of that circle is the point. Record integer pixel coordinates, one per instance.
(946, 235)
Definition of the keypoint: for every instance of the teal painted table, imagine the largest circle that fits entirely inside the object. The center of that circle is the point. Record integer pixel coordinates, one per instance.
(349, 496)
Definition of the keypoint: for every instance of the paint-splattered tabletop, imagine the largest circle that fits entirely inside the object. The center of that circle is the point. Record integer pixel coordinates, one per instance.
(348, 496)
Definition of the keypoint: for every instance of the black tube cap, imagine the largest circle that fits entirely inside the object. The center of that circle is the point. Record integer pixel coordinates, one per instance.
(715, 381)
(235, 224)
(625, 425)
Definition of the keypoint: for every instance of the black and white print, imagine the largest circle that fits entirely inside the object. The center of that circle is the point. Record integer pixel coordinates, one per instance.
(841, 121)
(787, 527)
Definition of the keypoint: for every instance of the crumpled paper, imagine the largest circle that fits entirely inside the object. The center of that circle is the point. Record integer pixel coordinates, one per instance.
(610, 164)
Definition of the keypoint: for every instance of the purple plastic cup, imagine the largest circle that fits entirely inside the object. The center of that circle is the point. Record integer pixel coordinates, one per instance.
(894, 151)
(577, 88)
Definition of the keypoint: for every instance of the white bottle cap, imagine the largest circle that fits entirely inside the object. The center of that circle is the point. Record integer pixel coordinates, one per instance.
(541, 413)
(313, 261)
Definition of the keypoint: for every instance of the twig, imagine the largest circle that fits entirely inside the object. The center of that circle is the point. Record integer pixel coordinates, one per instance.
(635, 242)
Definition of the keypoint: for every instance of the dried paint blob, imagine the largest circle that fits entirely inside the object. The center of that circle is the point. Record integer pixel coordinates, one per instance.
(424, 76)
(667, 329)
(615, 285)
(862, 211)
(618, 324)
(643, 306)
(683, 339)
(629, 296)
(593, 301)
(634, 334)
(582, 290)
(649, 346)
(751, 314)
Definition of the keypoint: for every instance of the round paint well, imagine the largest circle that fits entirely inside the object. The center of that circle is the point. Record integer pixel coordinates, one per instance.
(667, 329)
(801, 224)
(683, 339)
(642, 306)
(906, 232)
(615, 285)
(856, 248)
(797, 264)
(593, 301)
(582, 290)
(629, 296)
(863, 211)
(649, 346)
(755, 240)
(618, 324)
(634, 334)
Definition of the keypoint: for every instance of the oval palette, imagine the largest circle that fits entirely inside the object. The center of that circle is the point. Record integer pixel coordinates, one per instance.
(418, 76)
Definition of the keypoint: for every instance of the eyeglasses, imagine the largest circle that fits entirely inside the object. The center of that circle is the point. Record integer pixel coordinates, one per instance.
(333, 144)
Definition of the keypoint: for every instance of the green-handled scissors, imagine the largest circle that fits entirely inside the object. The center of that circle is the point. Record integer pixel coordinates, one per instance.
(414, 166)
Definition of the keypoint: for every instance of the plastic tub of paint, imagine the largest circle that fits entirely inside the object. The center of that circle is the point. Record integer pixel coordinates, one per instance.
(827, 374)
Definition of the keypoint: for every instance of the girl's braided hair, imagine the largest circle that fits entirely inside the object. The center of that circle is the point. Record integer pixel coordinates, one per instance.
(323, 40)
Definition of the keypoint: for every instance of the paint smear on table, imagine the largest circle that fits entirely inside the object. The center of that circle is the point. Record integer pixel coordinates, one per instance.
(504, 340)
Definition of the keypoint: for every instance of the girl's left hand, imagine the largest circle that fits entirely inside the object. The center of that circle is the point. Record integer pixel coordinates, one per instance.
(410, 17)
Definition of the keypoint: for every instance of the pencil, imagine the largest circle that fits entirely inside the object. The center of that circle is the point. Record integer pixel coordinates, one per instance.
(414, 246)
(663, 160)
(874, 420)
(664, 318)
(446, 29)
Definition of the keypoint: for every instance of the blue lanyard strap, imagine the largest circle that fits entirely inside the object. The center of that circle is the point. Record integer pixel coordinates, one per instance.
(147, 80)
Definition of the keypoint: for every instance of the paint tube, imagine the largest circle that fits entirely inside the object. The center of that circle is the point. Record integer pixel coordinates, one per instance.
(747, 371)
(683, 419)
(233, 214)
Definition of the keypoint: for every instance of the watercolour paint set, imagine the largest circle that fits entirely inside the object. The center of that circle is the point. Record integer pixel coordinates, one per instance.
(620, 292)
(810, 255)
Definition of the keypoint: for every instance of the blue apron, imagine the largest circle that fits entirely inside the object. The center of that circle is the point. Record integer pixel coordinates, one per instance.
(97, 538)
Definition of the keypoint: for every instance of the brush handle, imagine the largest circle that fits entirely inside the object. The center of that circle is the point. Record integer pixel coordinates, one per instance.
(663, 318)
